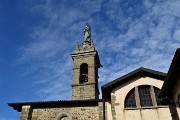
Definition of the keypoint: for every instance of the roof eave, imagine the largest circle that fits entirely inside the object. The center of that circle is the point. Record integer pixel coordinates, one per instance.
(49, 104)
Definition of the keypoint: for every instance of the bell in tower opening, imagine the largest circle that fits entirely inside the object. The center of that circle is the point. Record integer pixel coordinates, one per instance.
(83, 73)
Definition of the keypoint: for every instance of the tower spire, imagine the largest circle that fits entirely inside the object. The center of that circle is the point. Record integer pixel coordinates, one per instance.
(86, 65)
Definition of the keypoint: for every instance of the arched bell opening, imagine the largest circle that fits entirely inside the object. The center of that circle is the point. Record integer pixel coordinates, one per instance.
(83, 73)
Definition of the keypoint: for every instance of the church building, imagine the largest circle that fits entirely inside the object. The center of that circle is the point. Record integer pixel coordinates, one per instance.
(142, 94)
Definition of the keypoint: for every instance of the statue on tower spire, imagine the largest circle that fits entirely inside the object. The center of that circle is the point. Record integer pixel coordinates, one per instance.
(87, 33)
(87, 36)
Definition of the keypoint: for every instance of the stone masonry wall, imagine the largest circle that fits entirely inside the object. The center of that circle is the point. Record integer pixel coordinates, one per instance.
(84, 92)
(73, 113)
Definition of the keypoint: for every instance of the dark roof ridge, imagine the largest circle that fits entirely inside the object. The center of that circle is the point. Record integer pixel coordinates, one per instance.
(153, 71)
(140, 69)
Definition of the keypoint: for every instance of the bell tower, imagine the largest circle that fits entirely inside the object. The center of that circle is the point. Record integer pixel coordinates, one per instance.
(86, 65)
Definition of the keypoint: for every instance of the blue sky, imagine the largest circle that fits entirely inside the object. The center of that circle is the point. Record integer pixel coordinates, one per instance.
(38, 36)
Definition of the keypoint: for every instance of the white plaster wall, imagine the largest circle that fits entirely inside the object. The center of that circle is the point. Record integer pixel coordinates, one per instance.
(129, 114)
(164, 113)
(147, 114)
(138, 114)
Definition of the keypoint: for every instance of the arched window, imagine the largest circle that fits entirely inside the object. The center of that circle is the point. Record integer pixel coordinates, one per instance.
(83, 73)
(130, 99)
(63, 116)
(142, 96)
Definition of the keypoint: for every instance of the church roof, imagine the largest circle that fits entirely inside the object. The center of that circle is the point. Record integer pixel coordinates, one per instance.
(53, 104)
(172, 76)
(140, 72)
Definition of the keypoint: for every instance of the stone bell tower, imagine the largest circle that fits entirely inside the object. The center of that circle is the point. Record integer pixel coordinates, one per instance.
(86, 64)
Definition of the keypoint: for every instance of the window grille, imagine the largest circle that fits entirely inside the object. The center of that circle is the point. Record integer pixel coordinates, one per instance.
(145, 96)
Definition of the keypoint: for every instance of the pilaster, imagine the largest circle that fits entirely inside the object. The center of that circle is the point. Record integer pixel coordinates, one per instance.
(26, 112)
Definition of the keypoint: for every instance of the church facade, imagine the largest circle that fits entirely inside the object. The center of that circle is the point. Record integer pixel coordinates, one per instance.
(142, 94)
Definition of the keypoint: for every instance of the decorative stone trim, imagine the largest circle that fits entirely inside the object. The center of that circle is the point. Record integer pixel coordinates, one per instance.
(113, 105)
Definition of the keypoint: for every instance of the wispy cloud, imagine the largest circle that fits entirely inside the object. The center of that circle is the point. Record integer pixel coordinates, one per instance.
(148, 39)
(127, 35)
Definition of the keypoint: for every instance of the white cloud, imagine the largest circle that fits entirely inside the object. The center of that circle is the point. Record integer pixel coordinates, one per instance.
(147, 42)
(176, 34)
(127, 36)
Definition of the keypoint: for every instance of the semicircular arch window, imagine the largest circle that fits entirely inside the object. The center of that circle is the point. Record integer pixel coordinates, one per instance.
(142, 96)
